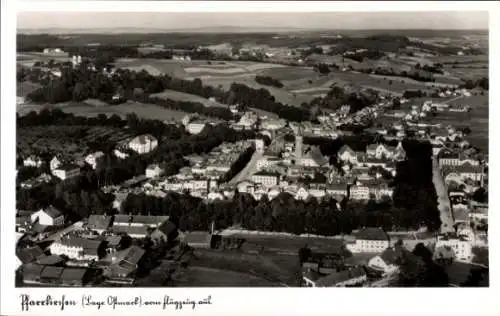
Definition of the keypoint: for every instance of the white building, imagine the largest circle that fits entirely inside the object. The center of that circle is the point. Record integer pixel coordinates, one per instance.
(369, 240)
(461, 247)
(153, 171)
(267, 179)
(77, 248)
(120, 154)
(143, 144)
(195, 127)
(32, 161)
(49, 216)
(55, 163)
(387, 261)
(66, 171)
(93, 159)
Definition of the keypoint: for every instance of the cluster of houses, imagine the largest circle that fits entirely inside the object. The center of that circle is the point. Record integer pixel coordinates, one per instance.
(100, 243)
(62, 169)
(201, 179)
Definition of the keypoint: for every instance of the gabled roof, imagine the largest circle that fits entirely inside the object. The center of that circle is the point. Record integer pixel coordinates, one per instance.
(197, 237)
(52, 212)
(68, 167)
(73, 274)
(315, 154)
(88, 245)
(339, 277)
(132, 255)
(392, 255)
(49, 260)
(344, 149)
(51, 272)
(99, 221)
(27, 255)
(143, 139)
(167, 228)
(140, 219)
(371, 233)
(131, 230)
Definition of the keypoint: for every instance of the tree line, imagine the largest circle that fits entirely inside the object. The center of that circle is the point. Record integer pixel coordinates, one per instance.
(269, 81)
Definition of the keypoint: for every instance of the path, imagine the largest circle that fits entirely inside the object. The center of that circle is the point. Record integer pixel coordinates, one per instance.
(455, 98)
(444, 205)
(249, 169)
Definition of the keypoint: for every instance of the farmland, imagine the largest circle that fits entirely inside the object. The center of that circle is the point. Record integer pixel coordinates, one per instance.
(147, 111)
(476, 120)
(180, 96)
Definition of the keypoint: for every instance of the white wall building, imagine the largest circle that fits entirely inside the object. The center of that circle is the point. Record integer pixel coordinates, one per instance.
(143, 144)
(49, 216)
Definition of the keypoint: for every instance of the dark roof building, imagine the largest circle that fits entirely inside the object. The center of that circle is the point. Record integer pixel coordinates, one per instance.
(99, 222)
(371, 233)
(27, 255)
(166, 231)
(343, 278)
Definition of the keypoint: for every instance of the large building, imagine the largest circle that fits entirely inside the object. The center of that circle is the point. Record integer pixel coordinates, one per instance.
(267, 179)
(369, 240)
(78, 248)
(143, 144)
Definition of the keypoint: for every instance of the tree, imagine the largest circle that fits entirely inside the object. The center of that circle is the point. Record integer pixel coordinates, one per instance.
(480, 195)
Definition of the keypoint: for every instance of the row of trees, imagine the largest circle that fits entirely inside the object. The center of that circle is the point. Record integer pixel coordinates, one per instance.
(414, 206)
(262, 99)
(269, 81)
(338, 96)
(174, 145)
(368, 54)
(483, 83)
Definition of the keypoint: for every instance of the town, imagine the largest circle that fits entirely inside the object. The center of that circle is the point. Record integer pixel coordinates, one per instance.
(212, 165)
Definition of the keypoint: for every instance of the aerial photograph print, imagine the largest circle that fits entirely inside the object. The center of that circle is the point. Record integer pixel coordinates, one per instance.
(240, 149)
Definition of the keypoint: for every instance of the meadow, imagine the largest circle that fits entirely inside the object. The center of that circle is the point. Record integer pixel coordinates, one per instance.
(181, 96)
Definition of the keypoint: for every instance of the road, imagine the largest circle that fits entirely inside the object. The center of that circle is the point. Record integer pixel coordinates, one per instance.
(456, 98)
(249, 169)
(444, 204)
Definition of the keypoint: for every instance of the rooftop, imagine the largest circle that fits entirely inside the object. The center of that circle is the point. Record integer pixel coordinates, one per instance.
(371, 233)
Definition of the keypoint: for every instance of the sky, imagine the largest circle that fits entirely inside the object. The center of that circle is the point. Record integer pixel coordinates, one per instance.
(323, 20)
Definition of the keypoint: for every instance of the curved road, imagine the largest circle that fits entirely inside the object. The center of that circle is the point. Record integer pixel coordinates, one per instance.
(444, 204)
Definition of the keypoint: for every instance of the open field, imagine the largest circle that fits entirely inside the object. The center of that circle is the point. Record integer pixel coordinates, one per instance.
(211, 277)
(142, 110)
(223, 74)
(290, 245)
(42, 57)
(272, 269)
(180, 96)
(477, 120)
(147, 111)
